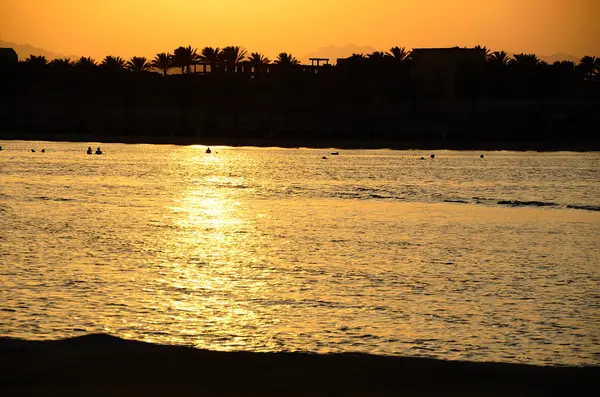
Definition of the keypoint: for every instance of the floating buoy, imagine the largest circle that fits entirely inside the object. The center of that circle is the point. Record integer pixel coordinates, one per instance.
(32, 150)
(432, 156)
(481, 156)
(324, 158)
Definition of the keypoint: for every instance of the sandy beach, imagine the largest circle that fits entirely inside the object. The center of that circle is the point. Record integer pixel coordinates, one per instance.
(103, 365)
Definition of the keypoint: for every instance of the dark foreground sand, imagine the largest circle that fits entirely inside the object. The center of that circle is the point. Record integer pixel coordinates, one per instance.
(102, 365)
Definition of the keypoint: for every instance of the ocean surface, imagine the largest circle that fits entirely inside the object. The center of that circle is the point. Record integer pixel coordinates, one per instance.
(268, 249)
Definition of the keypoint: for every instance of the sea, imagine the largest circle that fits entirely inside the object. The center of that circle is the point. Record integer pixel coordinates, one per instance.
(455, 257)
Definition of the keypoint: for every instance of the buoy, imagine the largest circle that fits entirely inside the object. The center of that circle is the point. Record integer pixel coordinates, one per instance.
(481, 156)
(432, 156)
(324, 158)
(32, 150)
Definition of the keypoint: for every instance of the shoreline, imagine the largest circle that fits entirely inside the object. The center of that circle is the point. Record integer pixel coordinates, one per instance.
(100, 365)
(309, 143)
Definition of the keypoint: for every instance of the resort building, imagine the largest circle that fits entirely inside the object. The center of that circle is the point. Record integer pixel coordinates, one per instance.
(448, 72)
(8, 56)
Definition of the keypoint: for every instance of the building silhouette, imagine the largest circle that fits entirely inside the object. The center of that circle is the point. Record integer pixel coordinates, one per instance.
(448, 73)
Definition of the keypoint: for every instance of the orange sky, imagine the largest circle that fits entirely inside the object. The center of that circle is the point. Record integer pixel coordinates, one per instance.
(129, 27)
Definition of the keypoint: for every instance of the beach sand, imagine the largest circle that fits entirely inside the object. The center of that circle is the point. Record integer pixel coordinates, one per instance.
(103, 365)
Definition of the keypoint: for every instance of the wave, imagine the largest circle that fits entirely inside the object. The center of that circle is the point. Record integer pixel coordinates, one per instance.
(45, 198)
(518, 203)
(584, 207)
(123, 364)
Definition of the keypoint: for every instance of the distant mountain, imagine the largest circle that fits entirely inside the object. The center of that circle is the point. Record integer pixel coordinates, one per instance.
(334, 52)
(559, 57)
(25, 50)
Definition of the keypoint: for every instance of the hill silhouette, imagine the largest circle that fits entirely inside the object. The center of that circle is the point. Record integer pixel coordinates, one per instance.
(26, 50)
(559, 57)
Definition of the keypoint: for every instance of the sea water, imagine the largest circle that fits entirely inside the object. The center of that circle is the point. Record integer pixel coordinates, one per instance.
(267, 249)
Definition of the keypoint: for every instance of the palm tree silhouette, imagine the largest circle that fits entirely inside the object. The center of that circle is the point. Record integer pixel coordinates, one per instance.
(376, 56)
(564, 73)
(61, 63)
(86, 63)
(162, 62)
(212, 56)
(37, 61)
(232, 56)
(184, 58)
(525, 61)
(589, 66)
(138, 64)
(61, 66)
(567, 66)
(524, 74)
(399, 54)
(258, 62)
(113, 64)
(486, 51)
(498, 58)
(286, 59)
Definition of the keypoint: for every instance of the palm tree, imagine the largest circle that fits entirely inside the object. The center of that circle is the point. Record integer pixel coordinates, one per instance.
(589, 66)
(86, 63)
(377, 56)
(212, 56)
(163, 62)
(232, 56)
(138, 64)
(184, 58)
(485, 50)
(525, 61)
(286, 59)
(113, 64)
(566, 66)
(399, 54)
(61, 63)
(498, 58)
(258, 62)
(526, 78)
(61, 66)
(37, 61)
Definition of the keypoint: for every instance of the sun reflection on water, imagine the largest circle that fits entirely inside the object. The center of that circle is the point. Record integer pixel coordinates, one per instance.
(215, 276)
(272, 249)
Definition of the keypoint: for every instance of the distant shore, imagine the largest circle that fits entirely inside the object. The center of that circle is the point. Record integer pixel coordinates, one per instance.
(309, 143)
(102, 365)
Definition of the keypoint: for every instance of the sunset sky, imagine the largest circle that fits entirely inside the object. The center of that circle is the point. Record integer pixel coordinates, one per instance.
(129, 27)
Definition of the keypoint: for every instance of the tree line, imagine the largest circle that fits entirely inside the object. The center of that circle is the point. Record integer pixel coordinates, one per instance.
(375, 96)
(388, 72)
(186, 59)
(229, 59)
